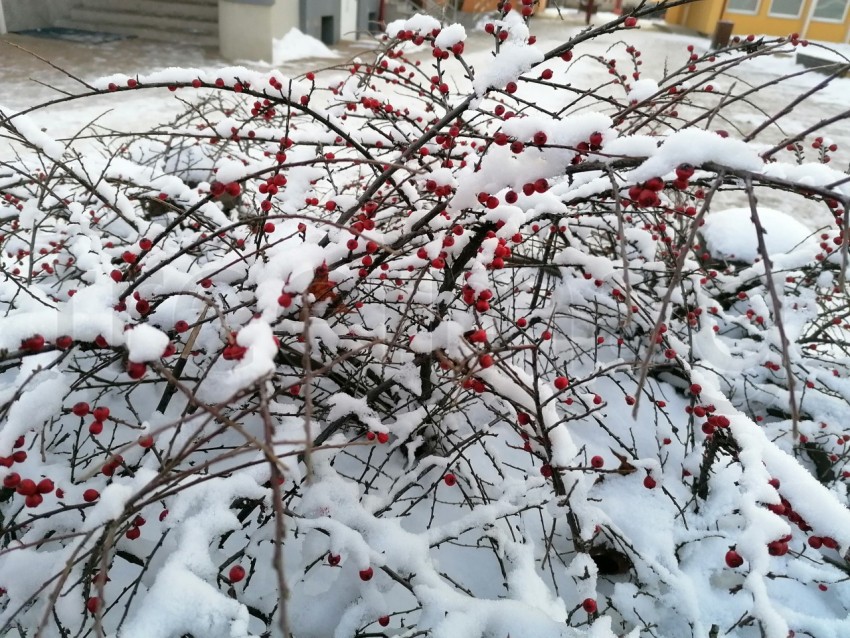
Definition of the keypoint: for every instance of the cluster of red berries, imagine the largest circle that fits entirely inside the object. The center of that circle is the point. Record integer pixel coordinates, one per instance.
(100, 414)
(264, 109)
(112, 464)
(475, 384)
(271, 187)
(712, 421)
(135, 529)
(218, 189)
(16, 457)
(381, 437)
(481, 300)
(32, 492)
(784, 508)
(233, 351)
(645, 195)
(14, 201)
(440, 190)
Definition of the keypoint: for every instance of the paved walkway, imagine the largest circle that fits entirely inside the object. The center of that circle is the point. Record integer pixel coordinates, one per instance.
(24, 62)
(21, 68)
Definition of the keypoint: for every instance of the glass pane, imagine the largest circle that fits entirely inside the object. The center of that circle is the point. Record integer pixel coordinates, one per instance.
(786, 7)
(830, 9)
(748, 6)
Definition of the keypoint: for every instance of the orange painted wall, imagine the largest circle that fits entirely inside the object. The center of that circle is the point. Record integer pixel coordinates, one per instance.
(829, 31)
(762, 23)
(703, 15)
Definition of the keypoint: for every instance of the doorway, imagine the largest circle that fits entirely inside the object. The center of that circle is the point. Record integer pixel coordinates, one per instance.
(328, 30)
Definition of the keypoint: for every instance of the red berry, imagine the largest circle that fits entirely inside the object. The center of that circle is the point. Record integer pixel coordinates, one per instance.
(93, 604)
(136, 370)
(450, 479)
(696, 388)
(733, 559)
(95, 428)
(91, 495)
(383, 621)
(80, 409)
(33, 500)
(630, 21)
(181, 326)
(589, 605)
(333, 559)
(383, 437)
(101, 413)
(561, 383)
(236, 573)
(33, 344)
(285, 300)
(133, 533)
(597, 461)
(649, 483)
(45, 486)
(11, 480)
(27, 487)
(366, 574)
(146, 441)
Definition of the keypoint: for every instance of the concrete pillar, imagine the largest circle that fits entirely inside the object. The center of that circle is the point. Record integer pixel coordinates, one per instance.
(247, 28)
(2, 19)
(348, 19)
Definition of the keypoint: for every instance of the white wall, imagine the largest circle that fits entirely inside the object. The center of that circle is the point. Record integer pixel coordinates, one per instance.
(348, 19)
(247, 30)
(285, 16)
(19, 15)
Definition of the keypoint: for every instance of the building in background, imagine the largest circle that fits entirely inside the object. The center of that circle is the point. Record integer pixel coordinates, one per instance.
(827, 20)
(241, 29)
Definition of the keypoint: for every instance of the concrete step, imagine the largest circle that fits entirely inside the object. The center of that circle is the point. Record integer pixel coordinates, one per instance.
(148, 33)
(131, 19)
(206, 11)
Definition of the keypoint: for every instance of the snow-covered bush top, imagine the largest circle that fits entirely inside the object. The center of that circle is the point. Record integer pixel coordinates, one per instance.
(423, 349)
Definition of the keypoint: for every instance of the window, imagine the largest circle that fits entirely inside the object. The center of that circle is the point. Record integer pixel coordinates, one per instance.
(743, 6)
(786, 8)
(830, 10)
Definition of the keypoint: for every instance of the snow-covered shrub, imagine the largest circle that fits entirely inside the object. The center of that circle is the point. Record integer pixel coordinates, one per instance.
(417, 349)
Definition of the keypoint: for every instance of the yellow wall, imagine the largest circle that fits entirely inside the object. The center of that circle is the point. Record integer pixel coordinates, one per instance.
(703, 15)
(829, 31)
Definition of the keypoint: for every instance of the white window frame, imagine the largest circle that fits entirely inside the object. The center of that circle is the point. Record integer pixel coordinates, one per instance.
(743, 12)
(842, 20)
(786, 16)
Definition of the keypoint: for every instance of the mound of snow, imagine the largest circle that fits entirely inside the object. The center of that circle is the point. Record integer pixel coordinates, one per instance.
(297, 45)
(730, 234)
